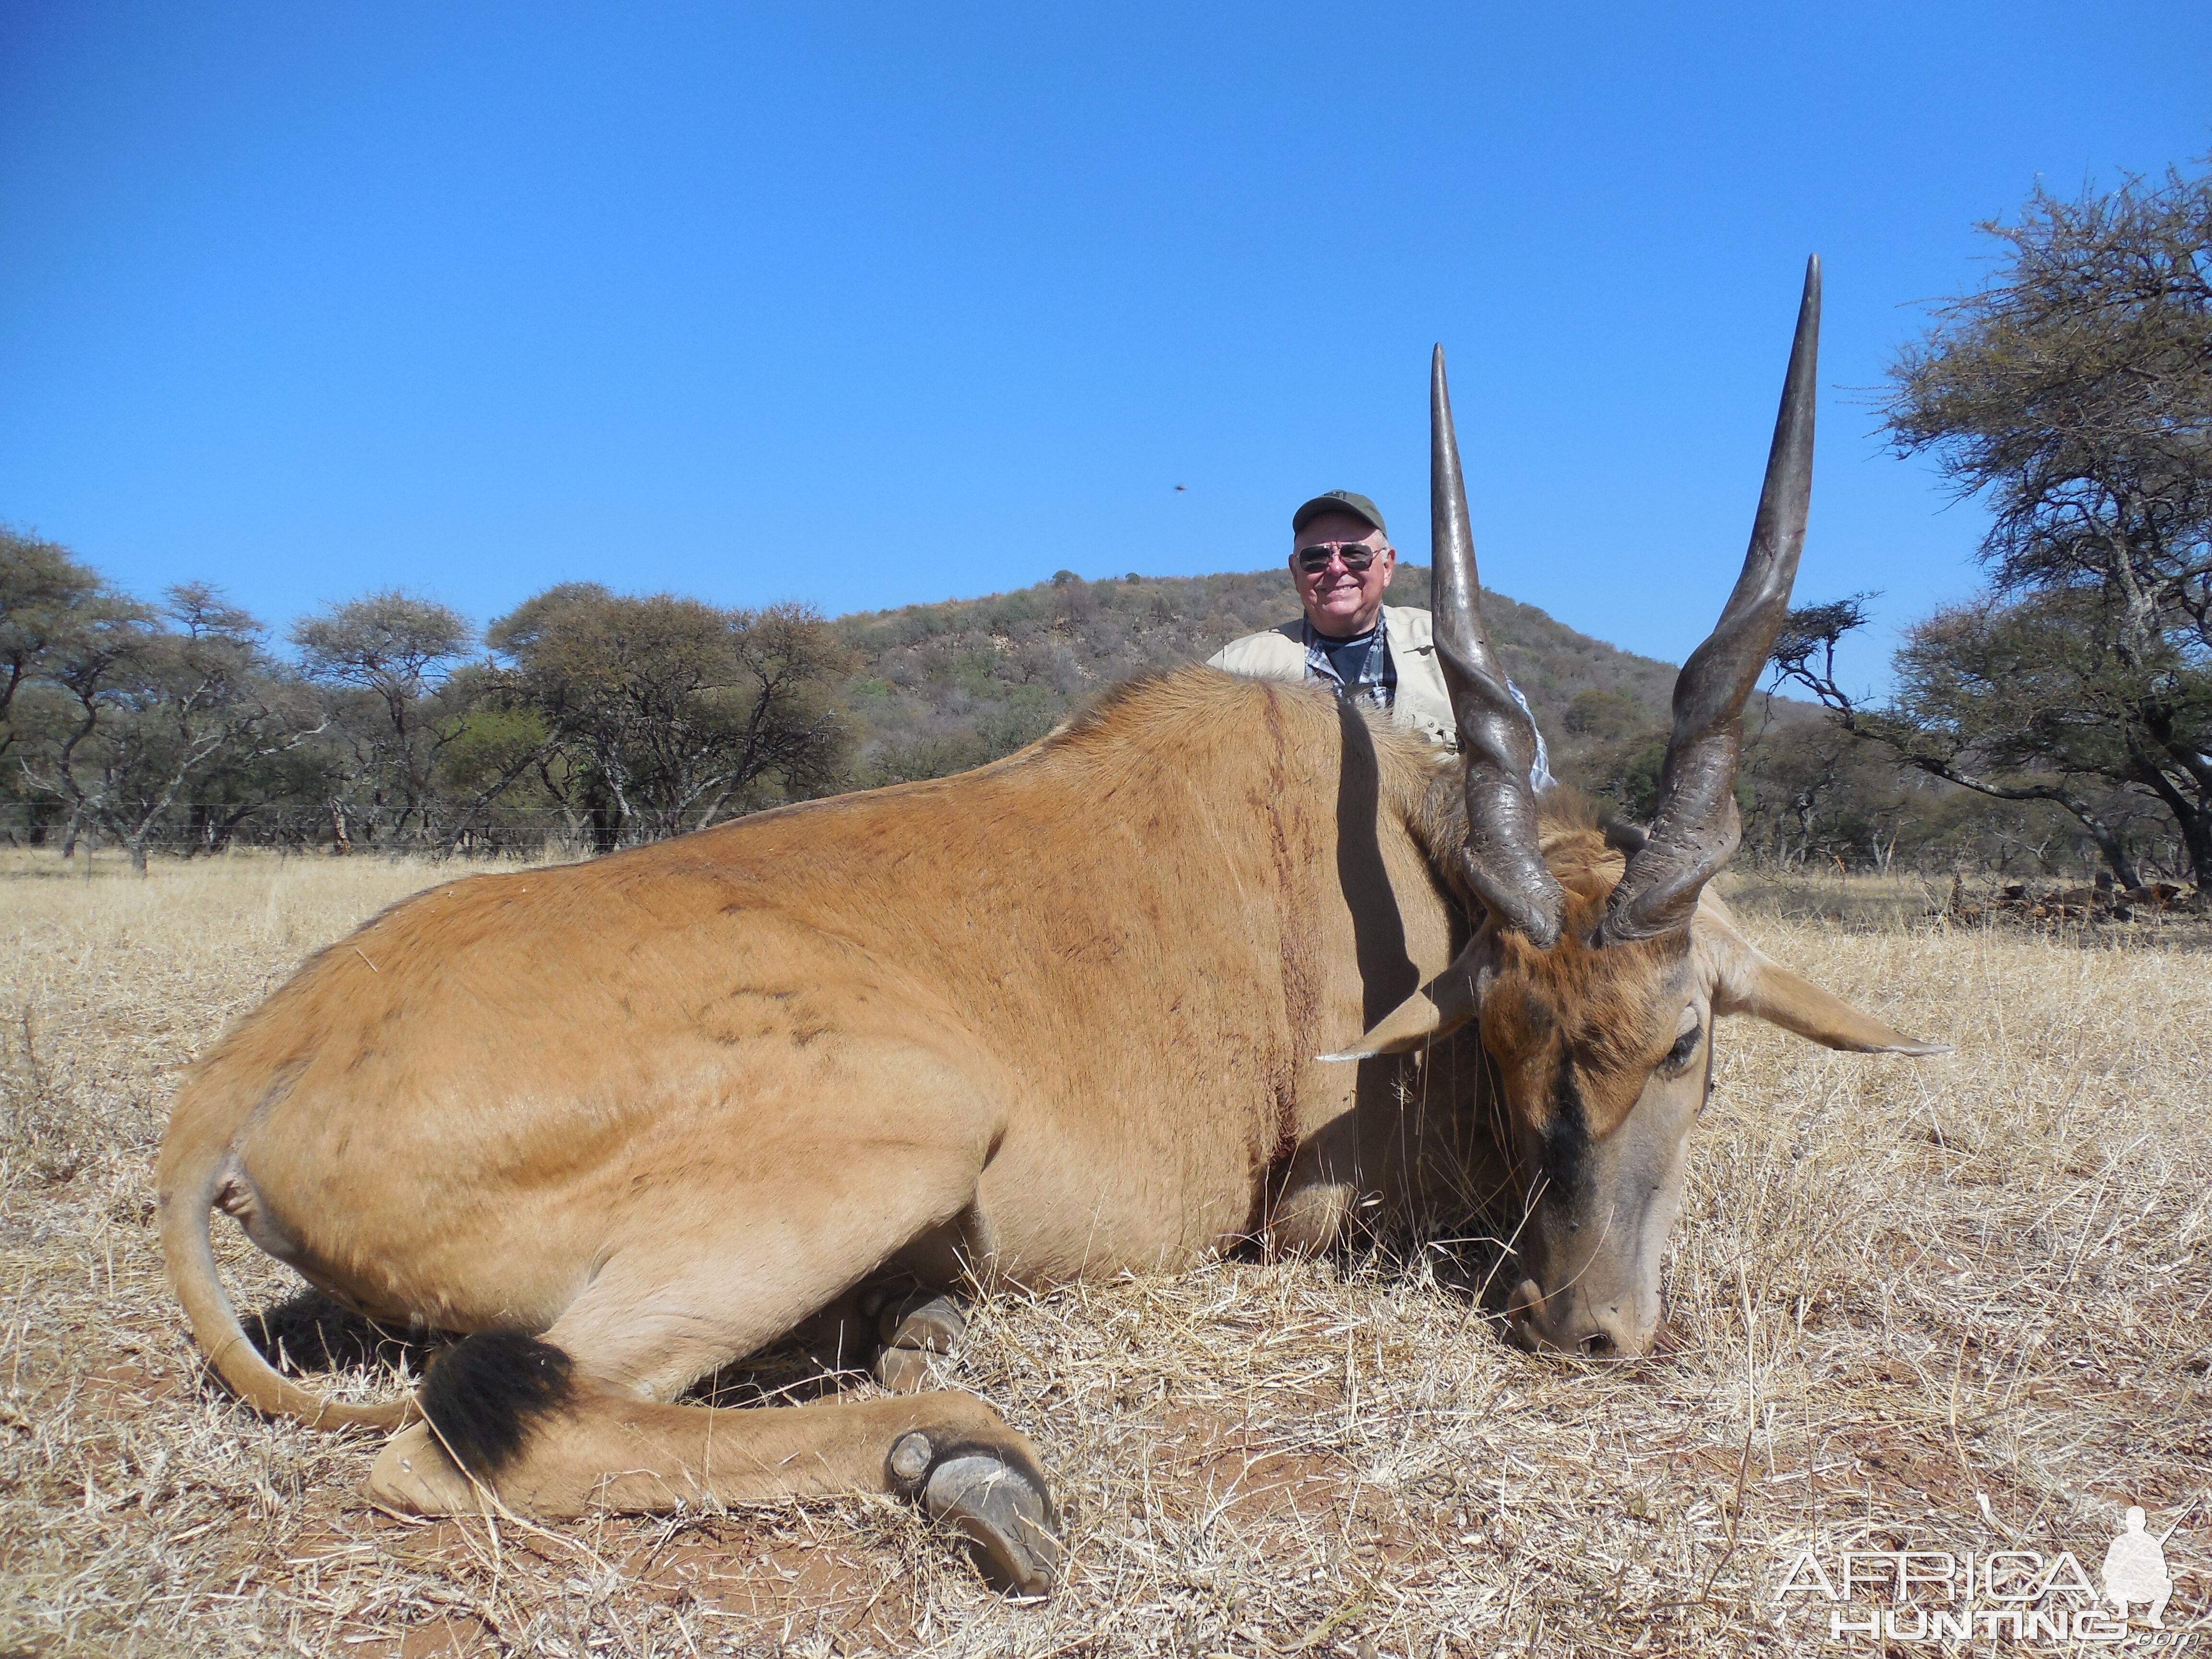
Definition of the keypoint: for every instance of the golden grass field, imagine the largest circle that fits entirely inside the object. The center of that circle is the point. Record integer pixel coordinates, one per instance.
(1959, 1303)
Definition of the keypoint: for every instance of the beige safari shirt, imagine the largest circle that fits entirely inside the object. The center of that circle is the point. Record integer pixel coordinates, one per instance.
(1422, 703)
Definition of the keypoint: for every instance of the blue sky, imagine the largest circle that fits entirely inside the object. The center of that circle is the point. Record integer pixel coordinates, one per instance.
(872, 304)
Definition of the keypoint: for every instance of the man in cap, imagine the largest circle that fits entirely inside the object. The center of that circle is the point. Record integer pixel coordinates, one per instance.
(1340, 564)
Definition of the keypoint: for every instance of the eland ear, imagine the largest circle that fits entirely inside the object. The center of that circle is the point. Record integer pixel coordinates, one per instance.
(1753, 982)
(1437, 1010)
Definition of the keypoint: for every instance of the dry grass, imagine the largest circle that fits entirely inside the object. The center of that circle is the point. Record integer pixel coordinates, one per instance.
(1960, 1302)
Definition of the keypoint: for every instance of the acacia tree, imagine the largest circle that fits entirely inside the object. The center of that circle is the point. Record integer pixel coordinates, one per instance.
(2073, 396)
(389, 657)
(2023, 700)
(154, 703)
(663, 713)
(48, 602)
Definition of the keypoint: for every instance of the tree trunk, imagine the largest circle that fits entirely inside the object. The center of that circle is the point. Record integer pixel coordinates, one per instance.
(2196, 827)
(464, 825)
(2109, 843)
(606, 829)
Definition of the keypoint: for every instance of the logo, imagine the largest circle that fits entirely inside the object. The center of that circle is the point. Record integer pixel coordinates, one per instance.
(1945, 1596)
(2135, 1570)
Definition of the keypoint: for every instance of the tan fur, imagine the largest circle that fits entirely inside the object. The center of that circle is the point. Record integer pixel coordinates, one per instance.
(1055, 1017)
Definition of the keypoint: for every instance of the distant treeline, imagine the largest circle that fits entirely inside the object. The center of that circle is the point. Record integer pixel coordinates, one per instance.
(582, 716)
(595, 720)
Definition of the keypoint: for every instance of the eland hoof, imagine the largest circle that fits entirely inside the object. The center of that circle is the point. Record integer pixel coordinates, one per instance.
(902, 1370)
(919, 1323)
(998, 1505)
(924, 1320)
(413, 1475)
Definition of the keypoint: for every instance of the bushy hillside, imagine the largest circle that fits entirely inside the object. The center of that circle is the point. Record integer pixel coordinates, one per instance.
(948, 686)
(945, 687)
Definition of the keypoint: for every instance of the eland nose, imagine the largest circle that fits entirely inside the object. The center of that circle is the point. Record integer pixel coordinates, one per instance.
(1566, 1323)
(1613, 1329)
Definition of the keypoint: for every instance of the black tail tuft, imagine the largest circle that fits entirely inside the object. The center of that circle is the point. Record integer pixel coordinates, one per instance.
(485, 1394)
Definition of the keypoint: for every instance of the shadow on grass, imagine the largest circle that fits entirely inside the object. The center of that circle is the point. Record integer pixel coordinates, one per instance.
(309, 1334)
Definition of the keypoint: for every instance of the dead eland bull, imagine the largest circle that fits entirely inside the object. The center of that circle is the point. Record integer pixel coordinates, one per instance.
(622, 1122)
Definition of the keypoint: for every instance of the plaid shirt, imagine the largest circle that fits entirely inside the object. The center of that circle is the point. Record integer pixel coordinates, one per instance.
(1378, 684)
(1378, 677)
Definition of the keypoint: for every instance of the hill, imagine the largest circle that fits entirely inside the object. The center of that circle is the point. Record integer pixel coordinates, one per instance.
(945, 687)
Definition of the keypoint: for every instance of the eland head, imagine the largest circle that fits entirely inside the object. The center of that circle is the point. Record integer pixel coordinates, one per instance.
(1595, 984)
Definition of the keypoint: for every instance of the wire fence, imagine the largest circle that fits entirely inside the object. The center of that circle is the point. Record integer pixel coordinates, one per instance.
(505, 832)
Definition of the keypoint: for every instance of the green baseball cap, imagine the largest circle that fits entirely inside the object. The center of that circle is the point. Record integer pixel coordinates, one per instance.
(1338, 501)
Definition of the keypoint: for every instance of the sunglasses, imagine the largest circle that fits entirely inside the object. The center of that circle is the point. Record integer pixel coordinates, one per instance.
(1356, 557)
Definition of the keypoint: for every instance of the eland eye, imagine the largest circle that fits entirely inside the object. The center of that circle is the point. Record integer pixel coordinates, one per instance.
(1683, 1051)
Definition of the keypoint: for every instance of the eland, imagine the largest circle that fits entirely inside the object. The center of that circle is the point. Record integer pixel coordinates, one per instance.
(1223, 961)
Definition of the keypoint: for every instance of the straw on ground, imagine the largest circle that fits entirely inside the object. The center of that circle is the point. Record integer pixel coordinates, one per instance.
(1965, 1302)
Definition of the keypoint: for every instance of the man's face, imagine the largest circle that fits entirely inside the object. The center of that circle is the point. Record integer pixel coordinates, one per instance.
(1341, 602)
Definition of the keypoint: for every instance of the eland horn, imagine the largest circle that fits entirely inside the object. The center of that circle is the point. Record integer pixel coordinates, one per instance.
(1496, 744)
(1696, 828)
